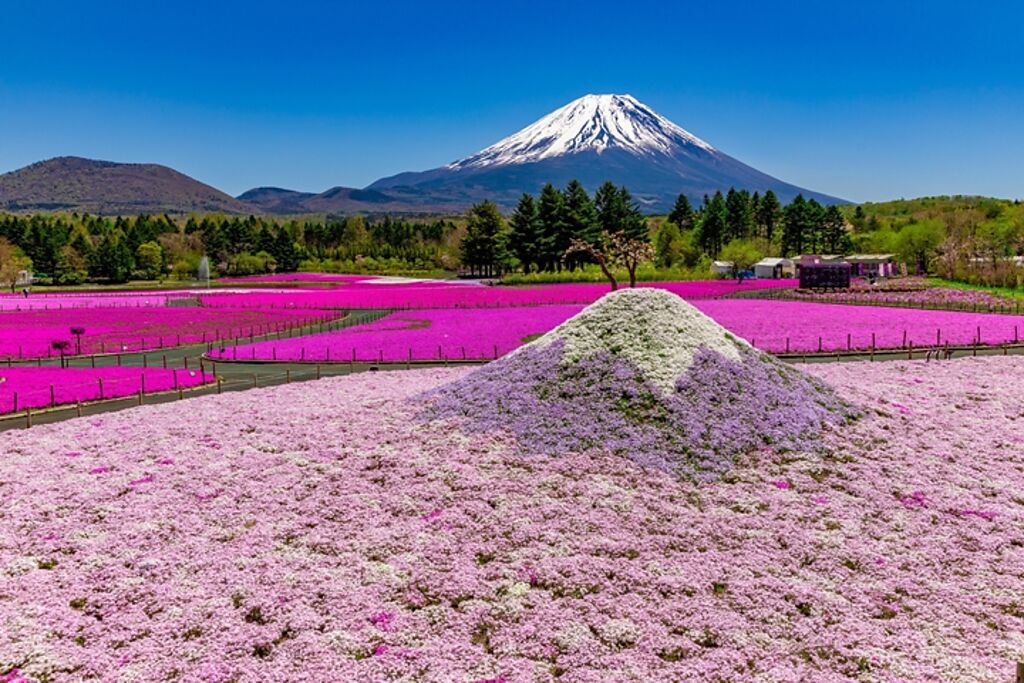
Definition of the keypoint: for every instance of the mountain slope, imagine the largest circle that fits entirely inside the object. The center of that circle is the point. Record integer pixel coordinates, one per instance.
(107, 187)
(594, 138)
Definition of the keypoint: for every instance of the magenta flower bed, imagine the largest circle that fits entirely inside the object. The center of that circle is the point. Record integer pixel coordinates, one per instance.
(454, 334)
(438, 294)
(429, 334)
(48, 302)
(29, 334)
(926, 296)
(768, 325)
(323, 532)
(22, 388)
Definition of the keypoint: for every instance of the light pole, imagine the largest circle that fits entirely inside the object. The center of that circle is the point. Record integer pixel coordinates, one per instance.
(78, 332)
(60, 345)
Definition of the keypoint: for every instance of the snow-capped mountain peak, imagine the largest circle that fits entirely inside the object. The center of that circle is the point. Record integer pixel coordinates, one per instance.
(590, 123)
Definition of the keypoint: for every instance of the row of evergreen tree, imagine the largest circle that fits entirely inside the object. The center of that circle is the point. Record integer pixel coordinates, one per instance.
(535, 237)
(540, 229)
(802, 226)
(70, 248)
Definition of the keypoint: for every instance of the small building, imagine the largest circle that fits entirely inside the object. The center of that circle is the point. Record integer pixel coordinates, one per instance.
(24, 279)
(871, 265)
(825, 275)
(774, 268)
(722, 267)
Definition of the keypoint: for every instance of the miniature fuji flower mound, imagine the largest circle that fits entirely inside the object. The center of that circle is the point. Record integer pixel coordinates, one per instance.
(642, 373)
(655, 331)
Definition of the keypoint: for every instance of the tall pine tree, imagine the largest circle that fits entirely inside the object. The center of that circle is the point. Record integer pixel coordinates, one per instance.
(768, 212)
(712, 228)
(833, 232)
(617, 213)
(738, 215)
(579, 220)
(682, 213)
(484, 249)
(524, 238)
(796, 226)
(551, 214)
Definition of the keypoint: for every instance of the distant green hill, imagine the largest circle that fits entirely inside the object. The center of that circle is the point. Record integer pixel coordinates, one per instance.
(966, 238)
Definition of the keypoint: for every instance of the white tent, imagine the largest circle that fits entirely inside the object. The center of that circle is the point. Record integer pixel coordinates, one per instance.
(721, 267)
(773, 267)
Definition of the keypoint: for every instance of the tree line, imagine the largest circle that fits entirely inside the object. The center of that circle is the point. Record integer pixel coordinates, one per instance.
(540, 230)
(69, 249)
(802, 226)
(974, 239)
(737, 226)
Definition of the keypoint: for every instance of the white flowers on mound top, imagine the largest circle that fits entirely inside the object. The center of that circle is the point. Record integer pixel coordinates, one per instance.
(654, 330)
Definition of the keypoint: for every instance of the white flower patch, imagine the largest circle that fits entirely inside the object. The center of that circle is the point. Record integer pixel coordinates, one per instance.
(654, 330)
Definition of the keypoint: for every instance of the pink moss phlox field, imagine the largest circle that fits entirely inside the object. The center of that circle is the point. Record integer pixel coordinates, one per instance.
(767, 324)
(440, 294)
(62, 301)
(436, 334)
(320, 532)
(911, 292)
(30, 334)
(429, 334)
(71, 385)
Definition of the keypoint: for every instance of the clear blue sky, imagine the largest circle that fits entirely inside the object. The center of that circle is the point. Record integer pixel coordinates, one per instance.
(865, 100)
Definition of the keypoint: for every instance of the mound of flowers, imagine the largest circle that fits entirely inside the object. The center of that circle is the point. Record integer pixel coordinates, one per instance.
(644, 374)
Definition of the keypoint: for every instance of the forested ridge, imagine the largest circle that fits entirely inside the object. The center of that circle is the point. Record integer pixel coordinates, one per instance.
(973, 239)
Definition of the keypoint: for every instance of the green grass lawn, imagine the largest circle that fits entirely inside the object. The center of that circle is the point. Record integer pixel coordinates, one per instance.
(1008, 292)
(592, 273)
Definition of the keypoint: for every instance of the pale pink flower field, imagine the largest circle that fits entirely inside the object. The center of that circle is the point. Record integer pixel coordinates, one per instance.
(325, 531)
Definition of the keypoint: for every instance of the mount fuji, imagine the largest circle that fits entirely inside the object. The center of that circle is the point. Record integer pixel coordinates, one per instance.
(592, 139)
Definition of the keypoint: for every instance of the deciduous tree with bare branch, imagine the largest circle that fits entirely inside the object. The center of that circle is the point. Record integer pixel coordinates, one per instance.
(614, 250)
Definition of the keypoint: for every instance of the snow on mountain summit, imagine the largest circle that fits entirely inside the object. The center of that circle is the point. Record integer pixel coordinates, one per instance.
(590, 123)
